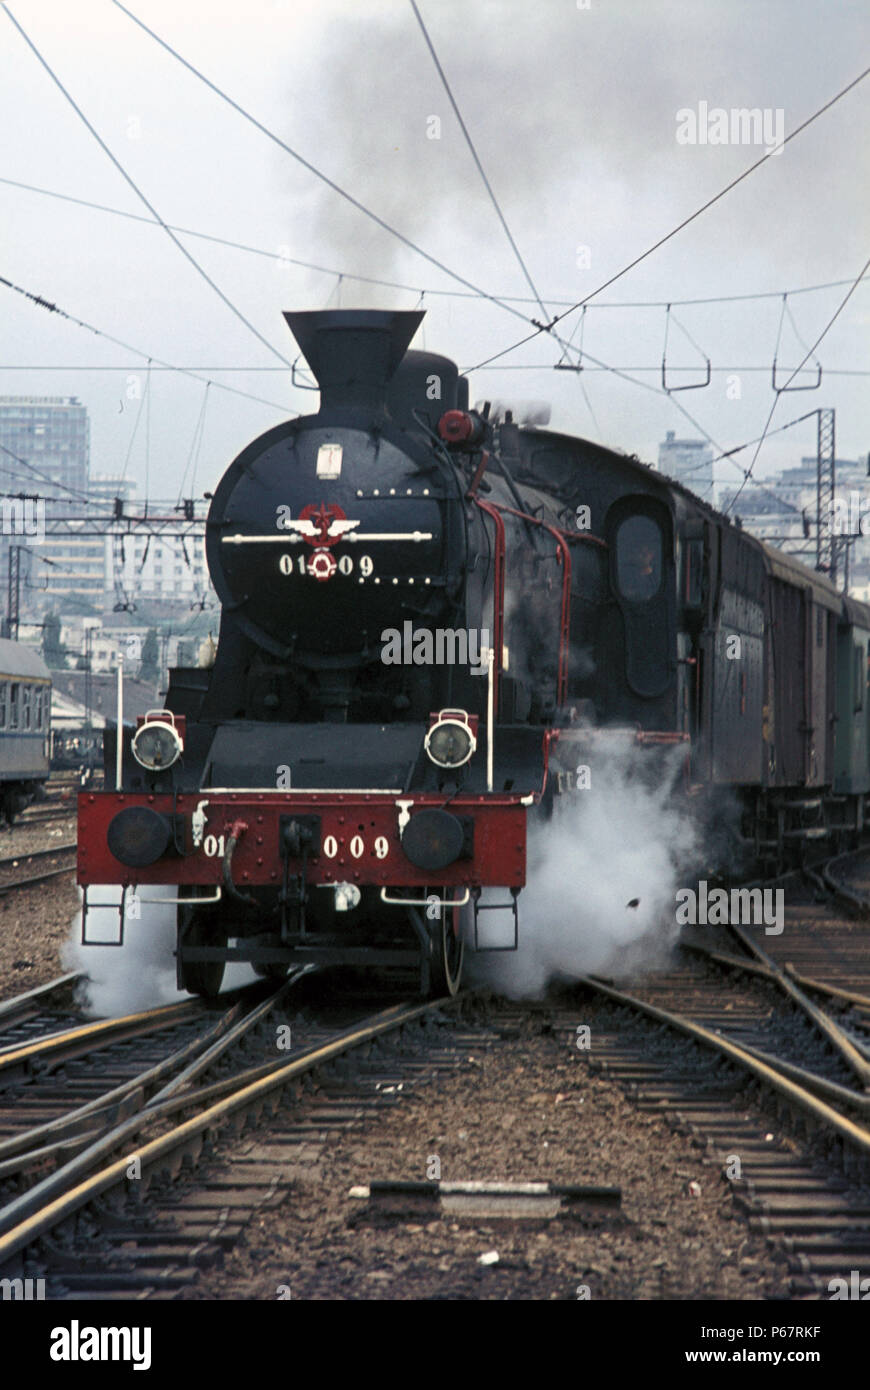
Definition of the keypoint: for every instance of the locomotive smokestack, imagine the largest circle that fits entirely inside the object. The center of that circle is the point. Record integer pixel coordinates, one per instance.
(353, 353)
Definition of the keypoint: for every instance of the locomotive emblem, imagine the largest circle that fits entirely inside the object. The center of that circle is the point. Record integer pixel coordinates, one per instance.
(322, 527)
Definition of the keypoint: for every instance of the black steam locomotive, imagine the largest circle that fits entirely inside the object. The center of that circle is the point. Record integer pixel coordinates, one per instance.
(430, 616)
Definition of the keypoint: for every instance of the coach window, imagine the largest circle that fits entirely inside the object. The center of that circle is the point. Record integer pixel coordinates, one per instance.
(4, 689)
(26, 693)
(37, 707)
(638, 558)
(13, 705)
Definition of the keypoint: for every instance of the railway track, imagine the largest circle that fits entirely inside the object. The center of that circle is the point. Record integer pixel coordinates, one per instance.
(121, 1211)
(67, 1098)
(739, 1028)
(39, 1011)
(141, 1178)
(44, 857)
(42, 814)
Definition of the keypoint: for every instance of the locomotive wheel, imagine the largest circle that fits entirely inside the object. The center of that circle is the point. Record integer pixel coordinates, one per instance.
(448, 952)
(203, 977)
(275, 970)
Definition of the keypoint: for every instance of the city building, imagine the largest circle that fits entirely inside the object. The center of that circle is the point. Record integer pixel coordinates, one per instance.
(690, 462)
(782, 509)
(160, 563)
(52, 437)
(46, 455)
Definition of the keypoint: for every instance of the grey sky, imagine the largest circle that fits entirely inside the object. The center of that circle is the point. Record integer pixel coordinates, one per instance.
(574, 114)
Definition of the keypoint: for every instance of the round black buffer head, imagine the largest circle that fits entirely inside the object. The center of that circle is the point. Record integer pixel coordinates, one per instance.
(433, 839)
(138, 836)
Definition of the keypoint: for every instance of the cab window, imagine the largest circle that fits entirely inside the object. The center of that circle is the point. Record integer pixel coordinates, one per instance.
(638, 558)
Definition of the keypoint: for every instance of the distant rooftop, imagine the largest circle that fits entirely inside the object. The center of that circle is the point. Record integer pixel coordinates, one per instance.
(39, 400)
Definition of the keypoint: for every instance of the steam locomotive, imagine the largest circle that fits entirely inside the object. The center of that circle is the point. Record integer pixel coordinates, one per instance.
(431, 617)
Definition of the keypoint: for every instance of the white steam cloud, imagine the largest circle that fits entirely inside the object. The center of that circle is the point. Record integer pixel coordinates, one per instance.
(138, 975)
(141, 973)
(602, 879)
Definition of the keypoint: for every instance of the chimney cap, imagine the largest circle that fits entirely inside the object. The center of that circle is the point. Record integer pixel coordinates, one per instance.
(354, 353)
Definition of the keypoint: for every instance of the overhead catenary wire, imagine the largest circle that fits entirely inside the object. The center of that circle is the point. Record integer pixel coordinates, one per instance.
(393, 231)
(284, 259)
(678, 405)
(780, 390)
(45, 477)
(686, 220)
(480, 169)
(318, 173)
(406, 241)
(244, 370)
(601, 366)
(312, 168)
(128, 179)
(596, 365)
(728, 456)
(738, 448)
(195, 447)
(623, 373)
(160, 362)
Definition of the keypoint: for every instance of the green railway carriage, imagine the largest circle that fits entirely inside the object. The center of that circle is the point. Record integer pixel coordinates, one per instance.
(852, 734)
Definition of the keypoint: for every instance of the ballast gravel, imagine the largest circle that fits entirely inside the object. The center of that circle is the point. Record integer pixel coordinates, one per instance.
(527, 1109)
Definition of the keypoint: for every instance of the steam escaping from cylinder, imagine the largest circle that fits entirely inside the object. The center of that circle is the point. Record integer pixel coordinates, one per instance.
(141, 973)
(138, 975)
(602, 880)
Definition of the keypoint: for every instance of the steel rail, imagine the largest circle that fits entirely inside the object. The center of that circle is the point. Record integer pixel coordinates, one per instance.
(854, 1134)
(826, 1025)
(856, 900)
(35, 879)
(51, 1201)
(755, 967)
(14, 860)
(86, 1037)
(123, 1100)
(24, 1006)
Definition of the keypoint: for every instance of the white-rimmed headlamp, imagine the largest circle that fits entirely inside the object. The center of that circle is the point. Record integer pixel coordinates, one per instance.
(450, 740)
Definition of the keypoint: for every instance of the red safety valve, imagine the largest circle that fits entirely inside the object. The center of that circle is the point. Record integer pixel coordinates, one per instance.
(458, 427)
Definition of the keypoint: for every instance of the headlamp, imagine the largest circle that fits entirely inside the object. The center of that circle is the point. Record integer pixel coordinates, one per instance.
(157, 744)
(450, 741)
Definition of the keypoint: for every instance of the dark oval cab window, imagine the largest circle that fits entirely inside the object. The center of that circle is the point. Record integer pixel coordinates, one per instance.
(638, 558)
